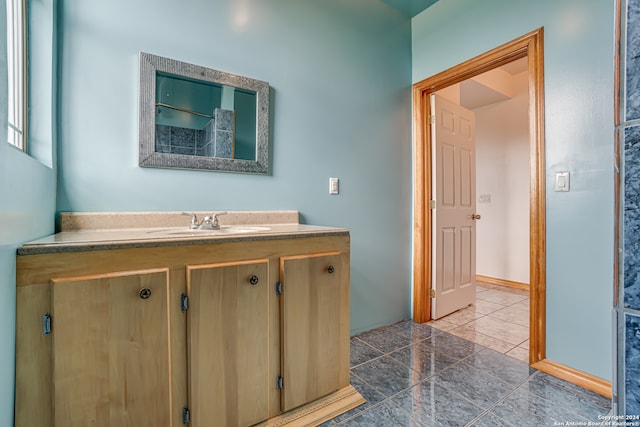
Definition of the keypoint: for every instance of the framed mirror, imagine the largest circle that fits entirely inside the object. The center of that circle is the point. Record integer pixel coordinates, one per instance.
(193, 117)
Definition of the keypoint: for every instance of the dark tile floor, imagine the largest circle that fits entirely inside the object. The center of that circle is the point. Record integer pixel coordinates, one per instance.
(415, 375)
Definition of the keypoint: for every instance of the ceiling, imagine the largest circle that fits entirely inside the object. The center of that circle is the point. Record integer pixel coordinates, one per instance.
(409, 7)
(492, 86)
(516, 67)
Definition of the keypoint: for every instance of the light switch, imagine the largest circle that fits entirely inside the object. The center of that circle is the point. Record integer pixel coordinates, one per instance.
(562, 181)
(484, 198)
(334, 186)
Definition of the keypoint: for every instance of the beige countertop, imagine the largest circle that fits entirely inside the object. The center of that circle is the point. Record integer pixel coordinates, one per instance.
(92, 235)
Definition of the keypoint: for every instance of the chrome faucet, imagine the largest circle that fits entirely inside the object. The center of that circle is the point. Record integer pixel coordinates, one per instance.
(208, 223)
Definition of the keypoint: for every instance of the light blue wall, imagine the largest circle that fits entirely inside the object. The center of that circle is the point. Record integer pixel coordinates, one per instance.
(27, 208)
(341, 76)
(579, 71)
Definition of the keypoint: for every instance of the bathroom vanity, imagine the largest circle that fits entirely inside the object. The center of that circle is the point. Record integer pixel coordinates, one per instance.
(122, 325)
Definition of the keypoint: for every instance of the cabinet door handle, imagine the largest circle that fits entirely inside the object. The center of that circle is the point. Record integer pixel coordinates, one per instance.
(145, 293)
(331, 269)
(254, 280)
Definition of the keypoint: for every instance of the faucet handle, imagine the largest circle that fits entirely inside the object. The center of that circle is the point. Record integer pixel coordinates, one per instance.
(215, 218)
(194, 219)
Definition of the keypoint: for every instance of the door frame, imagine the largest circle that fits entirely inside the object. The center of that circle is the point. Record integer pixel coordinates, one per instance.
(530, 46)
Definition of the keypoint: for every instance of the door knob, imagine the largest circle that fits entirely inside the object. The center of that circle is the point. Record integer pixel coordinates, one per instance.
(474, 216)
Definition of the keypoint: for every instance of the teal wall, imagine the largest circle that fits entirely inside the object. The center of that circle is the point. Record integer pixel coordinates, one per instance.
(340, 74)
(27, 191)
(27, 208)
(579, 72)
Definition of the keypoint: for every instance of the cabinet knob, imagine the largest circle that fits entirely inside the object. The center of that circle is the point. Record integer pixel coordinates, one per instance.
(331, 269)
(254, 280)
(145, 293)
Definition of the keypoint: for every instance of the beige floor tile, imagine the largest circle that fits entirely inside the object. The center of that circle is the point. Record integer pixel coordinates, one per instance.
(496, 328)
(463, 316)
(525, 345)
(523, 305)
(499, 297)
(514, 291)
(486, 307)
(470, 334)
(443, 325)
(519, 353)
(512, 314)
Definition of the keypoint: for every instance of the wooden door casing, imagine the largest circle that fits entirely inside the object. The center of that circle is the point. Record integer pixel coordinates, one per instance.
(530, 46)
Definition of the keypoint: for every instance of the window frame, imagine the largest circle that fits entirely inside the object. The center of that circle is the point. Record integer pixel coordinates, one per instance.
(17, 76)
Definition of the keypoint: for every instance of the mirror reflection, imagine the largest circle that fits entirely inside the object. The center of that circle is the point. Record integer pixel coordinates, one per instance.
(192, 117)
(199, 118)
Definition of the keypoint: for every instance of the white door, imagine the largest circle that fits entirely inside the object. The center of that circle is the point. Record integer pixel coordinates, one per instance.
(454, 231)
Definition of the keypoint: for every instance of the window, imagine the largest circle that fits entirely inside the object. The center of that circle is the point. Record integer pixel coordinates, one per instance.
(16, 64)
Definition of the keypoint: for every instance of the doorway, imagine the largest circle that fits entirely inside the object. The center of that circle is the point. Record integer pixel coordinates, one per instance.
(529, 46)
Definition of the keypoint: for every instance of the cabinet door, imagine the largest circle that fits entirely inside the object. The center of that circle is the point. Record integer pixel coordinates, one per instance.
(228, 342)
(314, 326)
(111, 350)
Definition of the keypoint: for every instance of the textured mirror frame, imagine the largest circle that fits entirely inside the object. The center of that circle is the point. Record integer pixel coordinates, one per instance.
(150, 65)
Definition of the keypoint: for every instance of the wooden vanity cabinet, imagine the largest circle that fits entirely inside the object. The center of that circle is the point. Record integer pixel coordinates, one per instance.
(228, 338)
(111, 350)
(218, 334)
(313, 320)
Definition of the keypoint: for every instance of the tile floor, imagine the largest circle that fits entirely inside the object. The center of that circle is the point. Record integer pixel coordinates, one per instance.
(499, 320)
(423, 375)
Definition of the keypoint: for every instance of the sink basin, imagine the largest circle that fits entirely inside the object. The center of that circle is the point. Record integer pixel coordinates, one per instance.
(240, 229)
